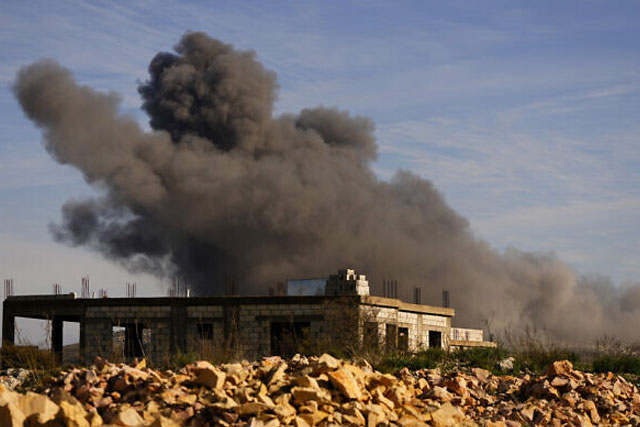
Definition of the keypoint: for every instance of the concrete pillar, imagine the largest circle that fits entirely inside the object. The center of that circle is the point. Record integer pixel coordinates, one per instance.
(8, 328)
(231, 325)
(82, 352)
(56, 338)
(178, 338)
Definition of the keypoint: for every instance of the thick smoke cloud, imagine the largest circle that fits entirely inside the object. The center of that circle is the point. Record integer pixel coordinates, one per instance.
(222, 186)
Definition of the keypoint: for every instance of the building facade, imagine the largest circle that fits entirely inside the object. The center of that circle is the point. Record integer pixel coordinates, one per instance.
(248, 327)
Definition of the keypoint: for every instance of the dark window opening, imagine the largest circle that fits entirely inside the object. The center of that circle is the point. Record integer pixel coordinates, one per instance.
(287, 338)
(435, 339)
(133, 338)
(205, 331)
(403, 339)
(391, 340)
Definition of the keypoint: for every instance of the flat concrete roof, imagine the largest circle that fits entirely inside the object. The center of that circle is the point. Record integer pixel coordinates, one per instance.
(406, 306)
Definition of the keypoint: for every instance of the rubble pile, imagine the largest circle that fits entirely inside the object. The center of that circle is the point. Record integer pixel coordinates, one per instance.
(14, 377)
(318, 391)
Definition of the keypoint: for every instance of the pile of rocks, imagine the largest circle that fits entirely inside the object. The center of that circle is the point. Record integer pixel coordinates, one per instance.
(318, 391)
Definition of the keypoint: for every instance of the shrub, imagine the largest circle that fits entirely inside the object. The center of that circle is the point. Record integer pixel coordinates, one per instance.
(536, 359)
(427, 359)
(26, 356)
(479, 357)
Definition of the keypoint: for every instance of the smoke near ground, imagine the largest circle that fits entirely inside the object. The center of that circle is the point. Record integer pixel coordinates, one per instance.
(222, 186)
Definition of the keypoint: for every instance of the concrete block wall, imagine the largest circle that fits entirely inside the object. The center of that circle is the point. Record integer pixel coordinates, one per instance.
(380, 315)
(467, 334)
(432, 322)
(98, 338)
(255, 320)
(341, 323)
(418, 324)
(100, 321)
(411, 322)
(205, 314)
(160, 342)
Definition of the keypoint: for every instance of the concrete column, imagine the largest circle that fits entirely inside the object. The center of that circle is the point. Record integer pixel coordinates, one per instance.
(56, 338)
(83, 341)
(8, 328)
(231, 325)
(178, 337)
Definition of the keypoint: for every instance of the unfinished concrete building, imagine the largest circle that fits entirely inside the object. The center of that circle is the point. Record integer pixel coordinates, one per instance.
(248, 326)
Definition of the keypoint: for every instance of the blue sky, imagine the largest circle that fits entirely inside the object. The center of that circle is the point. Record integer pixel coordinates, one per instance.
(524, 114)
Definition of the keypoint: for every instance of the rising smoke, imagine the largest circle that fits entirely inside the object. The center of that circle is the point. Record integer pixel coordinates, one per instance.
(221, 186)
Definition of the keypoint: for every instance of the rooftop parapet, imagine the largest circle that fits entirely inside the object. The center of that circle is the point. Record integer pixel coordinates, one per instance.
(347, 282)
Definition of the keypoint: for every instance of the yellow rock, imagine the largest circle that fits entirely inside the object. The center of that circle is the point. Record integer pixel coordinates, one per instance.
(127, 417)
(251, 408)
(344, 381)
(283, 409)
(206, 374)
(314, 418)
(304, 394)
(161, 421)
(561, 367)
(11, 415)
(301, 422)
(447, 416)
(6, 395)
(306, 381)
(37, 407)
(73, 414)
(326, 362)
(95, 419)
(277, 373)
(410, 421)
(387, 380)
(236, 373)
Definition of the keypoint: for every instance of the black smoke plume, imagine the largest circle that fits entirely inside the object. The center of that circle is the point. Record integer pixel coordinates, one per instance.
(222, 186)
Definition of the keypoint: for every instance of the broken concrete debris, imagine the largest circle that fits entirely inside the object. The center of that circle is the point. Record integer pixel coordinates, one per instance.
(318, 391)
(14, 377)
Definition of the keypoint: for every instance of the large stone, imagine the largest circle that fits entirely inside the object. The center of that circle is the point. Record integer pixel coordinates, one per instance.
(344, 381)
(128, 417)
(326, 362)
(251, 408)
(506, 364)
(37, 408)
(11, 415)
(304, 394)
(161, 421)
(447, 416)
(206, 374)
(277, 373)
(314, 418)
(72, 414)
(561, 367)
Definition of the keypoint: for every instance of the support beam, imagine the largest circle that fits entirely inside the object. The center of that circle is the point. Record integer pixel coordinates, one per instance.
(178, 339)
(56, 338)
(8, 328)
(82, 352)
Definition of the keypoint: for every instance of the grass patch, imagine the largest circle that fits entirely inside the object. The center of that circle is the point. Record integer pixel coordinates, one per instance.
(26, 356)
(428, 359)
(536, 360)
(531, 360)
(618, 364)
